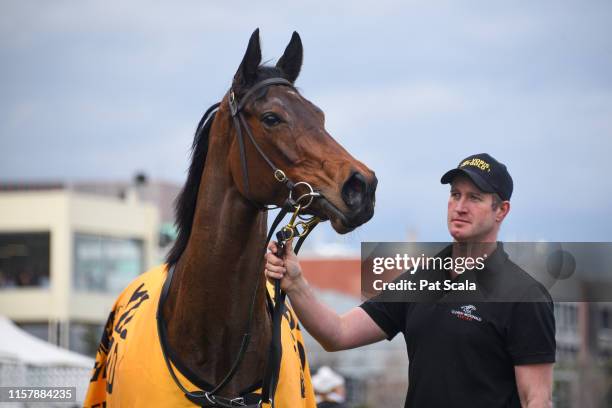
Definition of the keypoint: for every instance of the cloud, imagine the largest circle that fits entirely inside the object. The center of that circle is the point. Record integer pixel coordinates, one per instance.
(399, 102)
(99, 90)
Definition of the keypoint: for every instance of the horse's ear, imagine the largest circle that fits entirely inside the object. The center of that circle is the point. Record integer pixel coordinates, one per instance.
(291, 61)
(247, 71)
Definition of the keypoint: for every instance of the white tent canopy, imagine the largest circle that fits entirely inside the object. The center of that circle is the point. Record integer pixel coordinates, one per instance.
(29, 361)
(24, 347)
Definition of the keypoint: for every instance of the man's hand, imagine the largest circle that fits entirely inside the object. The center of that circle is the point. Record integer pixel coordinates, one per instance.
(287, 268)
(353, 329)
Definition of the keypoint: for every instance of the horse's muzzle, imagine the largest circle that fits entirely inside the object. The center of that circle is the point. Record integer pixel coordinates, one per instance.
(358, 196)
(358, 192)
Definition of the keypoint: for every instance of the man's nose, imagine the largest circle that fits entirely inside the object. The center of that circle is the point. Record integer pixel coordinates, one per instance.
(460, 206)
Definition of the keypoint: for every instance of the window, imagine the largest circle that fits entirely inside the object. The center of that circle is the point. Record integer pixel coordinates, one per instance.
(85, 337)
(24, 259)
(40, 330)
(106, 264)
(605, 318)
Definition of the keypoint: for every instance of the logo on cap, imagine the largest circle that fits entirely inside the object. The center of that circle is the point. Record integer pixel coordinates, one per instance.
(478, 163)
(486, 173)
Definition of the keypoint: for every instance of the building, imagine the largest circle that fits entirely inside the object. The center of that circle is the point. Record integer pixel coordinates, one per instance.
(66, 250)
(583, 371)
(65, 254)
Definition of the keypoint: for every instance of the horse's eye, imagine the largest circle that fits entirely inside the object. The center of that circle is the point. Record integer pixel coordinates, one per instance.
(270, 119)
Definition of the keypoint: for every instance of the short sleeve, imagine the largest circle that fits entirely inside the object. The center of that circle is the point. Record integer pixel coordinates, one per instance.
(531, 330)
(389, 316)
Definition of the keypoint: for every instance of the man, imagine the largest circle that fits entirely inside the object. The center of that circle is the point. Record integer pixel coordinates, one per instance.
(488, 354)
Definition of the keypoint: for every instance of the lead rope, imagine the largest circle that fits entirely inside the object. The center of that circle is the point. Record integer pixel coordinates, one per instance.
(287, 233)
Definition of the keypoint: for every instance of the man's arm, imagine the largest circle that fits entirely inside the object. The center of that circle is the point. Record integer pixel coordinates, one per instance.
(534, 383)
(334, 332)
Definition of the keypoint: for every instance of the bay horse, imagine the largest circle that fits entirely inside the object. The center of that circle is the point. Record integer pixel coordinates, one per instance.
(211, 285)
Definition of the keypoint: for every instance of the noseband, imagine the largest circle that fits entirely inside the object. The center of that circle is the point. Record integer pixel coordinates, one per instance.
(294, 228)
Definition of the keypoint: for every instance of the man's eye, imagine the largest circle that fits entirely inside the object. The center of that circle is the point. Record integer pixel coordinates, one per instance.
(270, 119)
(476, 198)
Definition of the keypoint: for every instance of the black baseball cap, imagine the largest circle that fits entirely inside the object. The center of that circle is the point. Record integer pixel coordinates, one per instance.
(488, 174)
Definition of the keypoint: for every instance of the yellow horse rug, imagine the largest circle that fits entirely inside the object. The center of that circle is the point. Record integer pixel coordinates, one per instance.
(130, 369)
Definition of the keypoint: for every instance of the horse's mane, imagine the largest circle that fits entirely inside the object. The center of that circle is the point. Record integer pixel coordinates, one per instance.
(185, 204)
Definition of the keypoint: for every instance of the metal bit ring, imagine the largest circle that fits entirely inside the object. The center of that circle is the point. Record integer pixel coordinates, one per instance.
(311, 194)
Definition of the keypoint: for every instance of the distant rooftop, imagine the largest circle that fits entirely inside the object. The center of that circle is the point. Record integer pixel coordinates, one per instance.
(160, 193)
(31, 186)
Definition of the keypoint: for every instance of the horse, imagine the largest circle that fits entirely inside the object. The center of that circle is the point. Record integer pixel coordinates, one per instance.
(173, 336)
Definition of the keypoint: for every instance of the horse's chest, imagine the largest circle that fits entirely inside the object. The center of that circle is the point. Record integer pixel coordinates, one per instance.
(130, 366)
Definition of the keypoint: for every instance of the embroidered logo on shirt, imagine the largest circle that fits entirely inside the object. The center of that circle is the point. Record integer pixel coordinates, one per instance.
(466, 313)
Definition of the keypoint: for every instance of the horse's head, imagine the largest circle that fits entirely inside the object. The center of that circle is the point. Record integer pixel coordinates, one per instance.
(290, 131)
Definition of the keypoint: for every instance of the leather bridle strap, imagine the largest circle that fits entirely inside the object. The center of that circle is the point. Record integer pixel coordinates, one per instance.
(236, 108)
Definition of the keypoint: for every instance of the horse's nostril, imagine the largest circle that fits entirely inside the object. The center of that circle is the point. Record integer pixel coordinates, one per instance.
(373, 186)
(354, 190)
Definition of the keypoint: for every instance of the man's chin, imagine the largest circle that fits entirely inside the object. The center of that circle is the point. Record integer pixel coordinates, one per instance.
(459, 236)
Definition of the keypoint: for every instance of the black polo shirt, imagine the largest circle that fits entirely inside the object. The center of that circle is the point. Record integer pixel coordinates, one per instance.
(462, 351)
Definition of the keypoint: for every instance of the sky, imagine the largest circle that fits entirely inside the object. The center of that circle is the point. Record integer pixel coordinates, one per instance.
(100, 90)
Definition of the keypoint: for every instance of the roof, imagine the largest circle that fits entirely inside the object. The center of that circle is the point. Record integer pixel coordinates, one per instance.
(16, 344)
(160, 193)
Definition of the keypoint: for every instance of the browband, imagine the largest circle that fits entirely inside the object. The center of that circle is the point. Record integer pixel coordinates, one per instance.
(236, 107)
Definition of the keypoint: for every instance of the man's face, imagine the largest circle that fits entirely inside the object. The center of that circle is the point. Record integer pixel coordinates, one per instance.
(471, 217)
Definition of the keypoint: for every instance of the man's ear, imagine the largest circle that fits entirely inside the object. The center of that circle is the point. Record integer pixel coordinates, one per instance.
(247, 71)
(291, 61)
(502, 211)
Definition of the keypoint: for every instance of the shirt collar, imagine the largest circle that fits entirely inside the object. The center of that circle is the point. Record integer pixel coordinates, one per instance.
(487, 278)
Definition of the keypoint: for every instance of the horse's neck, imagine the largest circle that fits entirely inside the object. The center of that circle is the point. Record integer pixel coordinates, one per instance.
(209, 301)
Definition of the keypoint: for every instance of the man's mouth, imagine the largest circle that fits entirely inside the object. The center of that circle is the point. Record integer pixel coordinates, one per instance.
(460, 220)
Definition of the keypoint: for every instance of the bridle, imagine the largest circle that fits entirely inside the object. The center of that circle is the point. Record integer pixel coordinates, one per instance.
(300, 229)
(236, 108)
